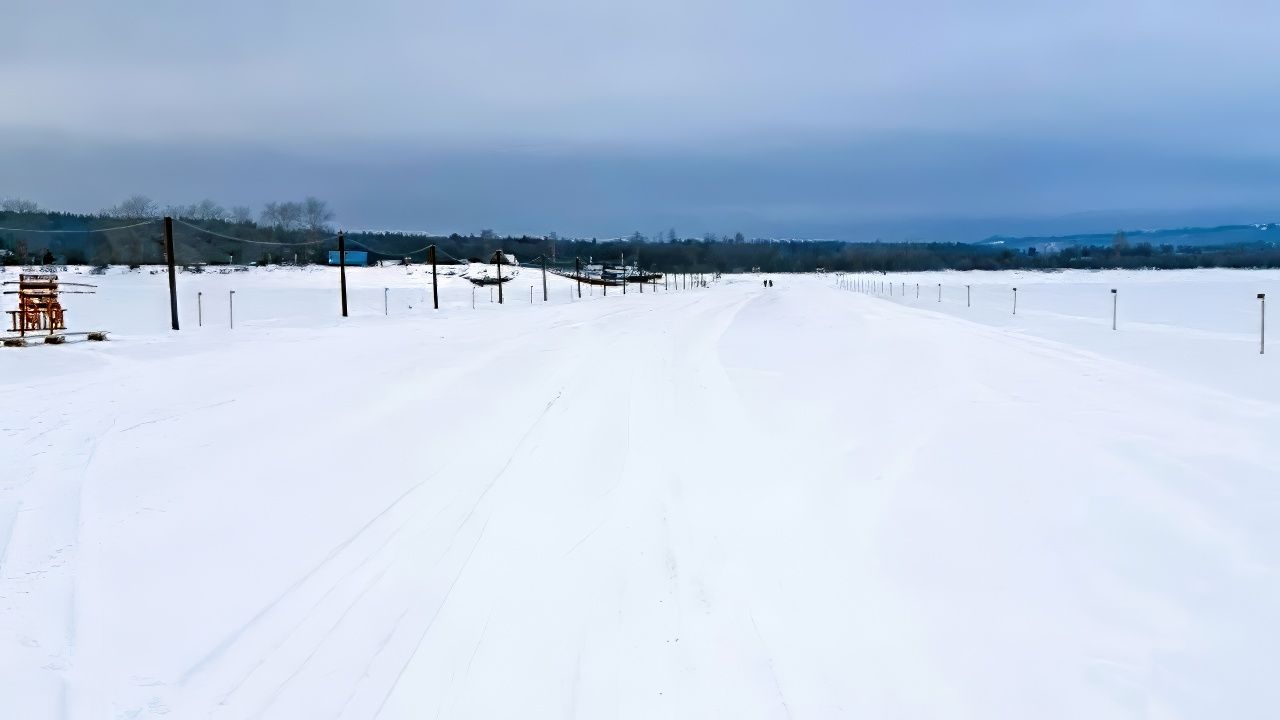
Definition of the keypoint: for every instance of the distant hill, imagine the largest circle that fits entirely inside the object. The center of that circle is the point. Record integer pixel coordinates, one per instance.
(1268, 233)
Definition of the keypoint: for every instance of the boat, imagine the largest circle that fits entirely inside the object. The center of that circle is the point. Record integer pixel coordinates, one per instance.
(492, 273)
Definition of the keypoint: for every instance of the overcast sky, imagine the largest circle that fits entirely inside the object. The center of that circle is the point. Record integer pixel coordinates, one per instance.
(855, 119)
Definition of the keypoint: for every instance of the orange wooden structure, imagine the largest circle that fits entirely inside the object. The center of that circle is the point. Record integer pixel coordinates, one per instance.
(39, 309)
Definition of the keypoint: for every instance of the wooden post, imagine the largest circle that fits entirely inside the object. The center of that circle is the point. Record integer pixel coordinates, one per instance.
(577, 273)
(199, 310)
(435, 293)
(342, 269)
(544, 278)
(966, 296)
(231, 308)
(1262, 346)
(173, 273)
(499, 257)
(939, 292)
(1015, 301)
(1114, 303)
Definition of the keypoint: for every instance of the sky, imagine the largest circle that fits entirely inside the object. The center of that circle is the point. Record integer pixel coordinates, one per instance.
(914, 119)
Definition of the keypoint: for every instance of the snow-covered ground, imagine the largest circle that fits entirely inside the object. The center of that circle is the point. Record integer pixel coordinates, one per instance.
(732, 502)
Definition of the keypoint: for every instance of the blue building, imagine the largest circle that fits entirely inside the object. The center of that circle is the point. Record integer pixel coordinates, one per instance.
(354, 257)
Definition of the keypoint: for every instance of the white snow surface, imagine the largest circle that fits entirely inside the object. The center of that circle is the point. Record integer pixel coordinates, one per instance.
(732, 502)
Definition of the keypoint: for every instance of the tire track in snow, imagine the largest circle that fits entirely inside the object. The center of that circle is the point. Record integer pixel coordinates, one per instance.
(421, 637)
(227, 642)
(338, 583)
(466, 673)
(768, 659)
(514, 454)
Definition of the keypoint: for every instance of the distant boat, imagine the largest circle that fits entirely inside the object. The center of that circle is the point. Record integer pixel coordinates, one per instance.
(610, 275)
(492, 273)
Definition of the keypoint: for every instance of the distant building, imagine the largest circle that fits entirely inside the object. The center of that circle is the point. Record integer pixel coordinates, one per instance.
(354, 257)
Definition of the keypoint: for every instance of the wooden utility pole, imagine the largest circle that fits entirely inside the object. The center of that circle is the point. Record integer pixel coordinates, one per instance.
(173, 273)
(498, 256)
(435, 293)
(1262, 340)
(544, 278)
(342, 269)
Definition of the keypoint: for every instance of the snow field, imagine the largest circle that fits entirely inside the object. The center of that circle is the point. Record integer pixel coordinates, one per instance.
(731, 502)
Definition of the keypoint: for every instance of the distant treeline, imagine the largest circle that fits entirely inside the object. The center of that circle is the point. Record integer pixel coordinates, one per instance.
(89, 239)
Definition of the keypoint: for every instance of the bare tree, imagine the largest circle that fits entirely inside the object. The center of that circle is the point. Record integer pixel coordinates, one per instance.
(241, 214)
(283, 215)
(18, 205)
(316, 214)
(290, 215)
(134, 207)
(271, 214)
(207, 210)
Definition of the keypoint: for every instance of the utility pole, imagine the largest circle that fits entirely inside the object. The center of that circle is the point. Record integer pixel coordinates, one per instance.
(342, 269)
(498, 256)
(435, 293)
(1262, 347)
(173, 273)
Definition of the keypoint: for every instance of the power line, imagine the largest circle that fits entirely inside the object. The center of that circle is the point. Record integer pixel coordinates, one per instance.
(255, 242)
(83, 230)
(383, 252)
(461, 262)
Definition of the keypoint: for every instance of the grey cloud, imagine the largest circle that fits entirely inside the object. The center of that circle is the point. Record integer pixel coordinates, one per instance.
(814, 117)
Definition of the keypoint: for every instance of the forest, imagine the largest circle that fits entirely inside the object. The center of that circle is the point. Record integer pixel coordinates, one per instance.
(132, 233)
